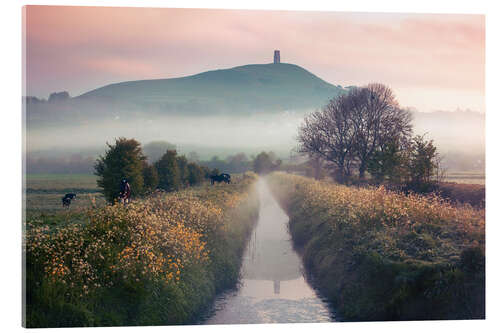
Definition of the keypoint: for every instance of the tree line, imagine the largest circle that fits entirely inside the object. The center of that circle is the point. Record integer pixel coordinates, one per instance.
(365, 131)
(262, 163)
(125, 159)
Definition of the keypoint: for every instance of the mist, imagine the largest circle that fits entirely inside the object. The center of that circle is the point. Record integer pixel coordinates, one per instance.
(213, 133)
(453, 131)
(76, 136)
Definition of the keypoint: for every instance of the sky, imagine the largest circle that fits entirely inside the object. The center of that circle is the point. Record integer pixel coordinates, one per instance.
(431, 61)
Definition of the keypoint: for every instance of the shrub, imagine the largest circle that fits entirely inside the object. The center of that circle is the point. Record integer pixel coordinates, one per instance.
(124, 159)
(182, 164)
(150, 175)
(168, 171)
(195, 174)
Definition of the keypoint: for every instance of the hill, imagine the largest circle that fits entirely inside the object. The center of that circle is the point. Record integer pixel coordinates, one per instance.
(243, 90)
(251, 87)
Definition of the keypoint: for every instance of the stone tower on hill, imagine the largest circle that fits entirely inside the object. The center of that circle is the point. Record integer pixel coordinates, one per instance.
(276, 56)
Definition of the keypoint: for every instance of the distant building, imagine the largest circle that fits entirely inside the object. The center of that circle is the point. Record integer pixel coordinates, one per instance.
(276, 56)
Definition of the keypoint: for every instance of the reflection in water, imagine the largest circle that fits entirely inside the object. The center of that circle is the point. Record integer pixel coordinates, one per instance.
(276, 286)
(272, 288)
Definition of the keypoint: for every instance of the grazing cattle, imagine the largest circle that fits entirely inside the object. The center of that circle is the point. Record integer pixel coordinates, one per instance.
(66, 200)
(223, 177)
(227, 177)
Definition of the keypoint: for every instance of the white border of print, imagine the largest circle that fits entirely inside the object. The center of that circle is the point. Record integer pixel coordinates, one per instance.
(11, 81)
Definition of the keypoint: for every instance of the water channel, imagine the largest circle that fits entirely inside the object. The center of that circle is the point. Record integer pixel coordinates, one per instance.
(272, 288)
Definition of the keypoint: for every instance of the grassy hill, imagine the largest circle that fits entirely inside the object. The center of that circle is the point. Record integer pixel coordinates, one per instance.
(256, 88)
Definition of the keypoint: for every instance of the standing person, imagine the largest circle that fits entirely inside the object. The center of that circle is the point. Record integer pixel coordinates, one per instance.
(125, 191)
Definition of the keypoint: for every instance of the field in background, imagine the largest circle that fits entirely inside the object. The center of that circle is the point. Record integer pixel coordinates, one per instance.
(44, 192)
(466, 177)
(61, 182)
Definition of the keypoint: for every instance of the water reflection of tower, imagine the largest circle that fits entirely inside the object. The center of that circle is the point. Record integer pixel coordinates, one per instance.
(276, 285)
(252, 248)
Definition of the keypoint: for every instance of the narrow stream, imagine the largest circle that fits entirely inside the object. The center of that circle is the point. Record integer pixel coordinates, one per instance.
(272, 287)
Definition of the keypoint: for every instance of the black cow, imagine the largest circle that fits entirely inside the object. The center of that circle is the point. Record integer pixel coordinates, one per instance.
(66, 200)
(227, 177)
(223, 177)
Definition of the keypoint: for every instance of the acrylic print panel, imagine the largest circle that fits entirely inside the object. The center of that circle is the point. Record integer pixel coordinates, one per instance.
(203, 166)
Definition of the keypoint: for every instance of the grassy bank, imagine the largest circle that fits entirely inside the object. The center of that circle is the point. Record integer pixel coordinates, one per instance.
(379, 255)
(472, 194)
(157, 261)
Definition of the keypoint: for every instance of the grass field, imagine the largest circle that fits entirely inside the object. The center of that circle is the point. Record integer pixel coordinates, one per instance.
(61, 182)
(44, 193)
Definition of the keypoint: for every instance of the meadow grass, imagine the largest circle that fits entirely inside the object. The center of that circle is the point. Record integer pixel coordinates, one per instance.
(380, 255)
(61, 182)
(43, 194)
(156, 261)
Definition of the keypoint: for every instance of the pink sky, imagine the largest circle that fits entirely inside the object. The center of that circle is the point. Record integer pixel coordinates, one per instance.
(432, 61)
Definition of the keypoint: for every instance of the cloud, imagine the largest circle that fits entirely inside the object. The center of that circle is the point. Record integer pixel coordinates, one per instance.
(80, 48)
(119, 66)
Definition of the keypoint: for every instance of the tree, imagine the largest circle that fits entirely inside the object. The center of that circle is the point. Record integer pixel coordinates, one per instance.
(168, 171)
(314, 168)
(206, 171)
(378, 121)
(124, 159)
(423, 165)
(195, 174)
(237, 163)
(352, 128)
(155, 150)
(214, 172)
(329, 135)
(264, 163)
(216, 163)
(150, 175)
(58, 96)
(182, 164)
(390, 162)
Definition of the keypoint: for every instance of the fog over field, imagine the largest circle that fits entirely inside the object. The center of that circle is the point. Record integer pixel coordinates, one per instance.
(454, 133)
(222, 112)
(245, 132)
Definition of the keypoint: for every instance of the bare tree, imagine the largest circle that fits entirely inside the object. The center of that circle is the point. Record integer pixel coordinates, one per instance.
(329, 134)
(350, 129)
(378, 120)
(316, 166)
